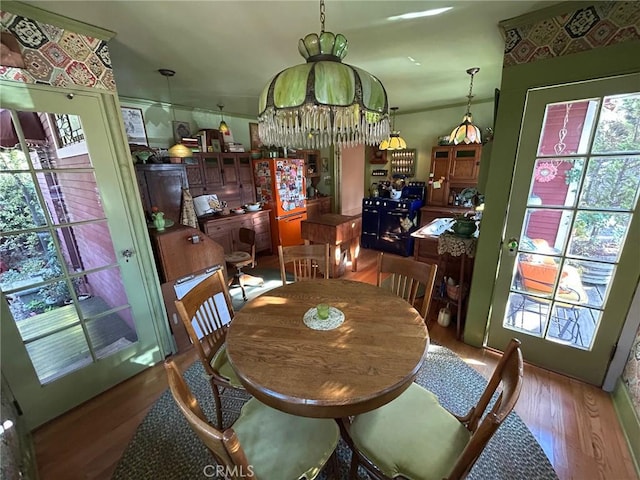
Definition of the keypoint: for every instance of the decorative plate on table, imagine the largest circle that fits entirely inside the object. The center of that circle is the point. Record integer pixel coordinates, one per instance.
(335, 319)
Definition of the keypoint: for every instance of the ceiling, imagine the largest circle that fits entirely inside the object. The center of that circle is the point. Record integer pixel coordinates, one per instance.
(225, 51)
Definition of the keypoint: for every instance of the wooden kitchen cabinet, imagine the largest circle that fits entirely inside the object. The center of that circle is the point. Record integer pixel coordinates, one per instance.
(456, 167)
(161, 186)
(228, 175)
(224, 229)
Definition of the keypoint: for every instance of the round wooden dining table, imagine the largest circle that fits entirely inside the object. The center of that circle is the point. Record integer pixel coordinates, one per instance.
(362, 364)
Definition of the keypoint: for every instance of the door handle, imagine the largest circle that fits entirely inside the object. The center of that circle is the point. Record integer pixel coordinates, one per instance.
(127, 254)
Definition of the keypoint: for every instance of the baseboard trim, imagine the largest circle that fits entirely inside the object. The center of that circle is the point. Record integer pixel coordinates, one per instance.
(629, 421)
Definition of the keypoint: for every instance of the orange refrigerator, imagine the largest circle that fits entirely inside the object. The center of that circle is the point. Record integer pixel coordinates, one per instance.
(280, 186)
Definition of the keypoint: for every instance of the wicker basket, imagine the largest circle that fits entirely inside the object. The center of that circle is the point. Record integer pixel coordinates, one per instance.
(454, 291)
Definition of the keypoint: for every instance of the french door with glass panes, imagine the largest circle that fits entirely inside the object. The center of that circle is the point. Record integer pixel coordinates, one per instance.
(570, 260)
(75, 316)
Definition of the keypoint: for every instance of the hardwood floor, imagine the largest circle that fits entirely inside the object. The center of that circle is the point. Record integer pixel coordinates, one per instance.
(574, 422)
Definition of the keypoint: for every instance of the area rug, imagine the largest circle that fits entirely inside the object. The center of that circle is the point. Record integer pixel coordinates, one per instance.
(271, 277)
(165, 448)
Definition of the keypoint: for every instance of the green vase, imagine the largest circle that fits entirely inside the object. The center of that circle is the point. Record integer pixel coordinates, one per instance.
(158, 221)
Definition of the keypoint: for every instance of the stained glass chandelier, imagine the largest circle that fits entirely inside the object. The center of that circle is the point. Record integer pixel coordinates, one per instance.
(323, 102)
(467, 132)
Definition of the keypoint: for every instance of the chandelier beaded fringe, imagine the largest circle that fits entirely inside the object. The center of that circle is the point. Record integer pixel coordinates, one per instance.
(323, 102)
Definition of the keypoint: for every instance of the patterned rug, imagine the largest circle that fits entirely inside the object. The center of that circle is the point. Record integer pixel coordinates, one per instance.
(165, 448)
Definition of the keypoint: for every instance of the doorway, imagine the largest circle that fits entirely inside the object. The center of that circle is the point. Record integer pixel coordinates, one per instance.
(570, 241)
(75, 319)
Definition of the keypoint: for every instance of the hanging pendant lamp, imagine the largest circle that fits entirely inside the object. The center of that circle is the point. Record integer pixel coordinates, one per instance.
(324, 101)
(224, 128)
(467, 132)
(395, 141)
(178, 150)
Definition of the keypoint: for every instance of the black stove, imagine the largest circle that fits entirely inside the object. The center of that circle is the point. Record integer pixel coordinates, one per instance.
(387, 224)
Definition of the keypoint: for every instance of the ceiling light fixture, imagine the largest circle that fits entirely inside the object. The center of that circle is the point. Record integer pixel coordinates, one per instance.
(467, 132)
(324, 101)
(178, 150)
(395, 141)
(424, 13)
(224, 128)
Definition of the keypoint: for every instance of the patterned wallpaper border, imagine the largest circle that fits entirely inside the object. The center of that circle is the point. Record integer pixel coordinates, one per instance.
(599, 25)
(57, 57)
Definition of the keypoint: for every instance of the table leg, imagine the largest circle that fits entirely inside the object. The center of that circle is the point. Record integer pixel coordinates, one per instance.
(460, 297)
(354, 251)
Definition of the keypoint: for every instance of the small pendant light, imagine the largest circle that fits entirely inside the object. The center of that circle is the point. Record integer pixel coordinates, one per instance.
(395, 141)
(178, 150)
(224, 128)
(467, 132)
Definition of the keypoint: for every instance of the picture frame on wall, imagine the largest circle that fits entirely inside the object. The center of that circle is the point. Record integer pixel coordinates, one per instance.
(180, 130)
(134, 125)
(256, 144)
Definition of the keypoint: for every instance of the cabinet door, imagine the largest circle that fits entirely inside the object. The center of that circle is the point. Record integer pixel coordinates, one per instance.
(245, 175)
(440, 162)
(161, 186)
(212, 172)
(229, 169)
(465, 164)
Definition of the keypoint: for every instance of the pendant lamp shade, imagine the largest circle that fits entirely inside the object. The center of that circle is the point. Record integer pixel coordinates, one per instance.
(467, 132)
(394, 141)
(324, 101)
(178, 150)
(223, 127)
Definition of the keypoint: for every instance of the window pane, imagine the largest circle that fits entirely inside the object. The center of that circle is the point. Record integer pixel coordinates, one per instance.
(598, 235)
(545, 230)
(567, 127)
(619, 125)
(71, 197)
(59, 354)
(111, 332)
(13, 159)
(27, 259)
(611, 183)
(555, 182)
(20, 204)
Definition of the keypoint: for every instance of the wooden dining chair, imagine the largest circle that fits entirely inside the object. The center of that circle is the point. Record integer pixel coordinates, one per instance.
(206, 311)
(262, 443)
(415, 437)
(409, 278)
(308, 261)
(239, 258)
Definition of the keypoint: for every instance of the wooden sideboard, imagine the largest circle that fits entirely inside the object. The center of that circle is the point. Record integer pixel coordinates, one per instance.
(224, 229)
(453, 168)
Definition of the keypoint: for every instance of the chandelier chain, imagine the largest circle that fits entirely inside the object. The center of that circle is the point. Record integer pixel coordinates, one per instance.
(322, 17)
(470, 96)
